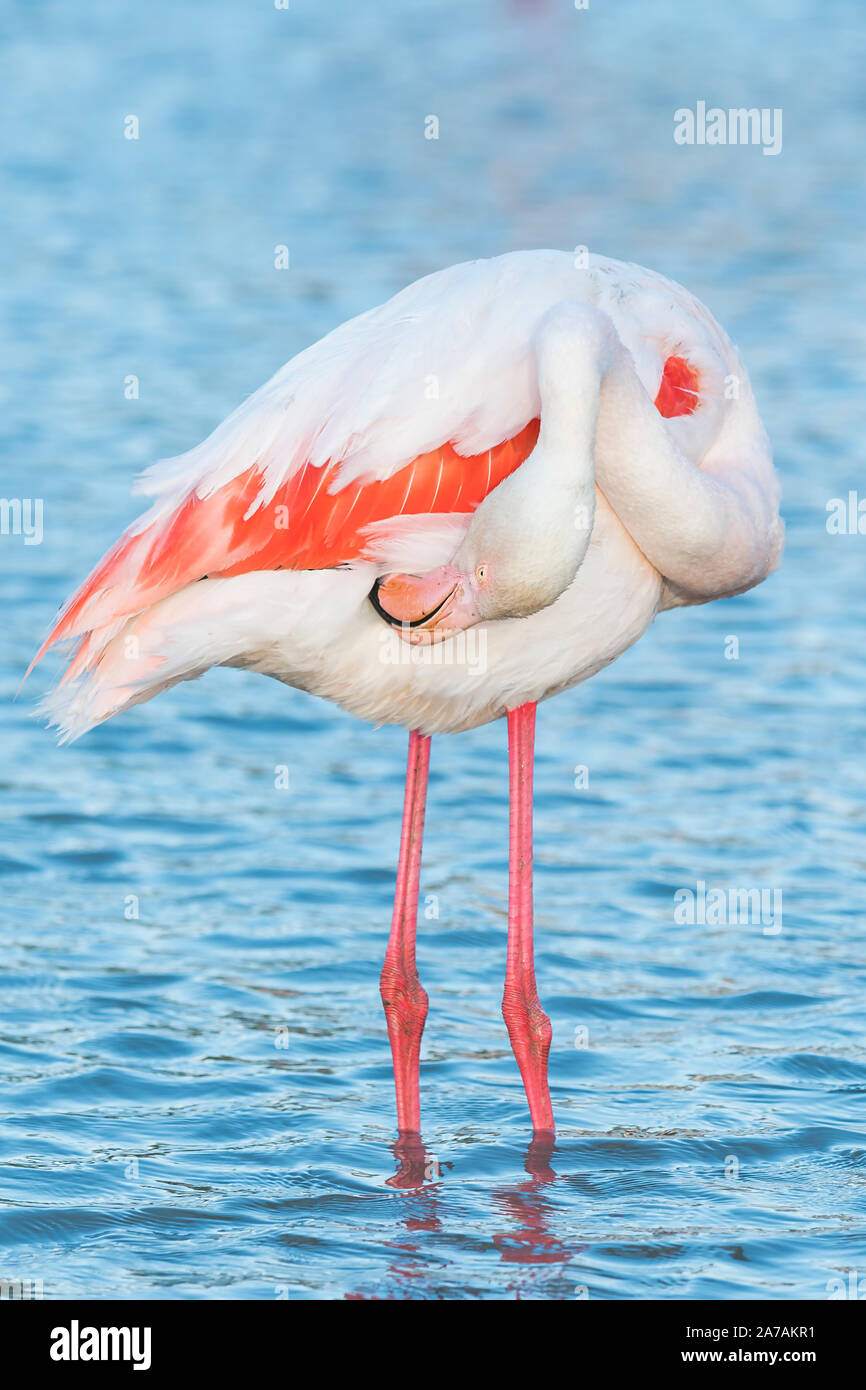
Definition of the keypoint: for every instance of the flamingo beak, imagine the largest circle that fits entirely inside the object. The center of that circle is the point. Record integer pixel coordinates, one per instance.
(427, 607)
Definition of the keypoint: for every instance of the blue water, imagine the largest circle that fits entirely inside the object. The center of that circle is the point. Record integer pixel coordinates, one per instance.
(197, 1100)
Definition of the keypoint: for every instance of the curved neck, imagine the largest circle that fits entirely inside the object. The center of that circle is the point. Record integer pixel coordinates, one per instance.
(710, 530)
(574, 349)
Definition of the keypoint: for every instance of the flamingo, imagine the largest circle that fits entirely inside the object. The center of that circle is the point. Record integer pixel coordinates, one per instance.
(442, 513)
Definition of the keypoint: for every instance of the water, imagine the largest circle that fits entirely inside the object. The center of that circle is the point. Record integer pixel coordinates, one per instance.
(197, 1100)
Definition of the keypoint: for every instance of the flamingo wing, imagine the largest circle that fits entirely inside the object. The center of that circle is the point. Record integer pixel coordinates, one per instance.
(310, 523)
(406, 410)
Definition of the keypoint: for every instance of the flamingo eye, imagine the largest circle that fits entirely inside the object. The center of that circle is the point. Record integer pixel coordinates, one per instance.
(481, 573)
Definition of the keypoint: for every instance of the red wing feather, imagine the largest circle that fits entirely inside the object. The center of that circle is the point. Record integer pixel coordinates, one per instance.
(305, 526)
(678, 391)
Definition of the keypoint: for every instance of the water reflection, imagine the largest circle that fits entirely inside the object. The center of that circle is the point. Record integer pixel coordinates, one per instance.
(529, 1240)
(416, 1165)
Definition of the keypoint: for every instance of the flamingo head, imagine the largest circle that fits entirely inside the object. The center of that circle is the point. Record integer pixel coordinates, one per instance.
(430, 607)
(483, 582)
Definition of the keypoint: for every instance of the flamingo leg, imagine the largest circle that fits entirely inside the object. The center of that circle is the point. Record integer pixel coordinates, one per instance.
(528, 1025)
(403, 995)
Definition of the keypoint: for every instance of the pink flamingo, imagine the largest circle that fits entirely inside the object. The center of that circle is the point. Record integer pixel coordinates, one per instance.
(446, 510)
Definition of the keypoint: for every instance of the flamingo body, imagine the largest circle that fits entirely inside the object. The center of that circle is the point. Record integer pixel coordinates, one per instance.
(444, 512)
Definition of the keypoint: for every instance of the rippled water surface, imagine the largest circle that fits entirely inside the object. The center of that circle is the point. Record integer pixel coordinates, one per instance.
(197, 1099)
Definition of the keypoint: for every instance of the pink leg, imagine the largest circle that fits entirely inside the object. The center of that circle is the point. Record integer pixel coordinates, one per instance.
(403, 995)
(527, 1023)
